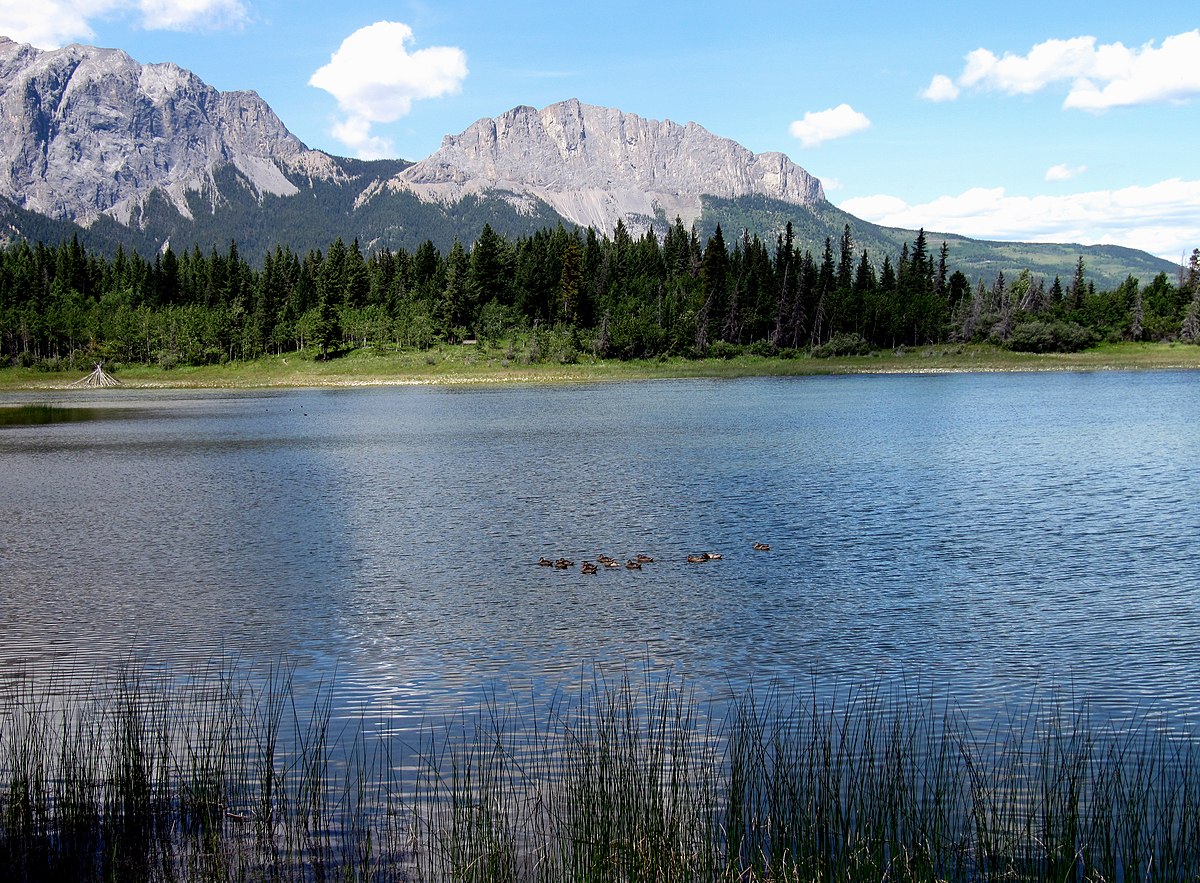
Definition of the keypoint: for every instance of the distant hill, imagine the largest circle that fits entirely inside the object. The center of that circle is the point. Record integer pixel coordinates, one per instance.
(1106, 265)
(101, 147)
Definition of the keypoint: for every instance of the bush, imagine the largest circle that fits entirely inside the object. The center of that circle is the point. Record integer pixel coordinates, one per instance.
(842, 345)
(1049, 337)
(723, 349)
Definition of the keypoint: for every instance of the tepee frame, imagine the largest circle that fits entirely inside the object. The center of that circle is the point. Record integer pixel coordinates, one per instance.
(98, 378)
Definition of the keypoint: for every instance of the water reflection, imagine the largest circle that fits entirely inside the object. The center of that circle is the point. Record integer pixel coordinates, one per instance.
(42, 414)
(990, 535)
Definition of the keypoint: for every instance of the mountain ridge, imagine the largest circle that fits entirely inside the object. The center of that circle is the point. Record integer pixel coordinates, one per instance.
(145, 155)
(596, 166)
(92, 132)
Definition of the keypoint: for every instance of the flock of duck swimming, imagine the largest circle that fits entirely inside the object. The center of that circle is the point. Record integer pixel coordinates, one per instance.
(634, 563)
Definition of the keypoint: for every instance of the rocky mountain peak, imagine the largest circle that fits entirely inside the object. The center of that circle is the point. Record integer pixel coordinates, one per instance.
(90, 131)
(596, 165)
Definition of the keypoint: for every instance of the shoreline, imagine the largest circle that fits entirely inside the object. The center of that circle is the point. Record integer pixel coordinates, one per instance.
(460, 366)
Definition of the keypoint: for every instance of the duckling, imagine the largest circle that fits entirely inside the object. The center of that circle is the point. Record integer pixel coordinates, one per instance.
(762, 547)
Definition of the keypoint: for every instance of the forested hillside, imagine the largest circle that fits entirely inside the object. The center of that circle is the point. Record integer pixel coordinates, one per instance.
(567, 291)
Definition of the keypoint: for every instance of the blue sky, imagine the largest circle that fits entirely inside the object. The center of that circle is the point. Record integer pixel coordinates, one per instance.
(1048, 121)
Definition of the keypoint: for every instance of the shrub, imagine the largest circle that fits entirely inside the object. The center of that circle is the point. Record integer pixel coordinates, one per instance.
(723, 349)
(1049, 337)
(842, 345)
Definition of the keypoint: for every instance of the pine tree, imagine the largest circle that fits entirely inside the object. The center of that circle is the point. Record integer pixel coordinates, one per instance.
(845, 269)
(1076, 290)
(490, 268)
(570, 280)
(714, 272)
(452, 317)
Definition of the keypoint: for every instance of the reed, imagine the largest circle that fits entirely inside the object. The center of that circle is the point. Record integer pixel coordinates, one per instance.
(224, 776)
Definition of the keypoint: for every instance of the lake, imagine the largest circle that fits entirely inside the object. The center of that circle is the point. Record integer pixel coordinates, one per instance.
(984, 537)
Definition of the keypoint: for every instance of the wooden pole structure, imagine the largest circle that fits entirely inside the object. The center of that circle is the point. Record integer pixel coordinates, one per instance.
(98, 378)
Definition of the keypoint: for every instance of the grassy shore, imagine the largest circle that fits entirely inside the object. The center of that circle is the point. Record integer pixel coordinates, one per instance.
(477, 364)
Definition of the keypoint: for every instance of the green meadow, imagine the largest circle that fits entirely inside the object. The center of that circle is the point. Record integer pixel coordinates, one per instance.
(477, 364)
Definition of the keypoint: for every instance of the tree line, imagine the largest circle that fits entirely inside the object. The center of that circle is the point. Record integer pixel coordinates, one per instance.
(617, 296)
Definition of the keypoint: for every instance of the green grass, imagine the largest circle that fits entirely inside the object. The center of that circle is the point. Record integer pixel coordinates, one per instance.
(226, 778)
(477, 364)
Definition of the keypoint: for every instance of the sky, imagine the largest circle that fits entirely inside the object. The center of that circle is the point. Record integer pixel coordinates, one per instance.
(1049, 121)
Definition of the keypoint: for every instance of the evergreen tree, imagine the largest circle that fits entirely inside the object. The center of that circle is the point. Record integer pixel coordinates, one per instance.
(714, 271)
(452, 316)
(570, 280)
(845, 270)
(490, 269)
(356, 281)
(1077, 289)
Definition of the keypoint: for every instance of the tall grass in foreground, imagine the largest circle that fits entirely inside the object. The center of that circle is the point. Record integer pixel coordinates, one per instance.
(225, 778)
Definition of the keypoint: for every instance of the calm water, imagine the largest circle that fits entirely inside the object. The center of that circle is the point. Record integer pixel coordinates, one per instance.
(987, 535)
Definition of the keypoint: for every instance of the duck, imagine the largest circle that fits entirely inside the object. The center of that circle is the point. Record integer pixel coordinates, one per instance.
(762, 547)
(563, 563)
(545, 562)
(713, 556)
(633, 565)
(588, 567)
(604, 559)
(644, 559)
(611, 562)
(697, 559)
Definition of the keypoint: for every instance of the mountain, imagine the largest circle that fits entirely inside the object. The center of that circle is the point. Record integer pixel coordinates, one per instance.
(596, 166)
(113, 151)
(90, 131)
(100, 146)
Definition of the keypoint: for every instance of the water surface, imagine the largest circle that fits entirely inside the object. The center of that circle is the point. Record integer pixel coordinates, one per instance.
(986, 536)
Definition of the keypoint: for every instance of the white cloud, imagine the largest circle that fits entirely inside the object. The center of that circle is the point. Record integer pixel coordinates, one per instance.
(940, 88)
(49, 24)
(1046, 63)
(182, 15)
(375, 80)
(1100, 76)
(1159, 218)
(820, 126)
(1064, 172)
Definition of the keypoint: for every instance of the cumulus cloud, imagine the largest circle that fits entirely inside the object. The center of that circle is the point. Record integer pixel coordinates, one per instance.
(1064, 172)
(49, 24)
(1098, 77)
(820, 126)
(183, 15)
(940, 88)
(375, 79)
(1159, 218)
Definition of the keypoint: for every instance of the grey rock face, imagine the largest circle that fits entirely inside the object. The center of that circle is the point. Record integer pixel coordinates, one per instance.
(89, 131)
(597, 165)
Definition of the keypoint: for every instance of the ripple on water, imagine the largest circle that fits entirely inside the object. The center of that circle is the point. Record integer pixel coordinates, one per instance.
(994, 535)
